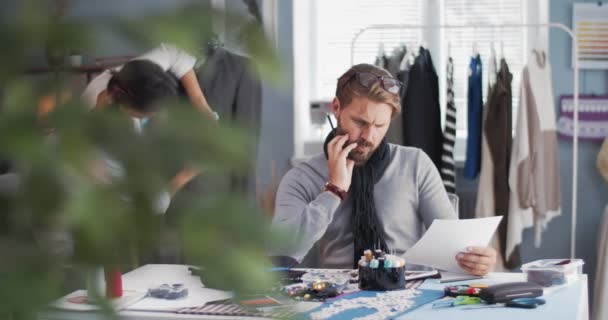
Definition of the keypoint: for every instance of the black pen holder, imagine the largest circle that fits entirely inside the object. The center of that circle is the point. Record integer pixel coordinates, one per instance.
(381, 279)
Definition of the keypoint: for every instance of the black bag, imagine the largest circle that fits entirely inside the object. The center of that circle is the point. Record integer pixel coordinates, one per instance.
(505, 292)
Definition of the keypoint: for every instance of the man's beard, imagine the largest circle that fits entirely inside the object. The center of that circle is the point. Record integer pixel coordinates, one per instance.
(360, 157)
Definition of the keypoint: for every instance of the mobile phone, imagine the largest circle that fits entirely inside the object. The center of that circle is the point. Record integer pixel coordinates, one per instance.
(331, 123)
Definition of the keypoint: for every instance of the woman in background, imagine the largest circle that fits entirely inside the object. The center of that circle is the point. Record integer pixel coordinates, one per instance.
(139, 84)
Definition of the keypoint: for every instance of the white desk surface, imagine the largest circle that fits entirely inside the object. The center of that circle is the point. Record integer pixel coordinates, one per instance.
(568, 303)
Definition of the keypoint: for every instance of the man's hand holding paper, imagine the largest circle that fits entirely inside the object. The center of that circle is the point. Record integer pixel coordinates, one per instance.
(457, 246)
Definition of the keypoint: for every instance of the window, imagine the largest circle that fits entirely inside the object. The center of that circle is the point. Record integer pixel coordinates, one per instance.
(333, 25)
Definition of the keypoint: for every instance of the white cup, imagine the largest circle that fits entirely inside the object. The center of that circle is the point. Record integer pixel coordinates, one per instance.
(96, 283)
(75, 60)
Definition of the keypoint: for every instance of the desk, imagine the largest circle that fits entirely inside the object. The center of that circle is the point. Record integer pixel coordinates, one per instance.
(568, 303)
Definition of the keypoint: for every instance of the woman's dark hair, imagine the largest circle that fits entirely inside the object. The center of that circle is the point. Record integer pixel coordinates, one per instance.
(141, 84)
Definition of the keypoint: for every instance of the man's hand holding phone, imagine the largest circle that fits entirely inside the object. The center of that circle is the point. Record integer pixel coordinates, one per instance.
(340, 167)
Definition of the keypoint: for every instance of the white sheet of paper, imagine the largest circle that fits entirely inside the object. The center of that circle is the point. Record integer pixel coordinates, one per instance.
(444, 239)
(128, 298)
(151, 276)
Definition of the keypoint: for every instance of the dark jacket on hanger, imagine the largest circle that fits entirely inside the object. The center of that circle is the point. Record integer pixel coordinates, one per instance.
(420, 108)
(497, 128)
(234, 91)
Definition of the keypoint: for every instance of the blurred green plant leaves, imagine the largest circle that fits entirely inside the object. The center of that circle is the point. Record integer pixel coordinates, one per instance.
(33, 28)
(71, 210)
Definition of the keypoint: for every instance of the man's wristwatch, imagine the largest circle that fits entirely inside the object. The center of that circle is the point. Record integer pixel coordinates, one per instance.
(335, 190)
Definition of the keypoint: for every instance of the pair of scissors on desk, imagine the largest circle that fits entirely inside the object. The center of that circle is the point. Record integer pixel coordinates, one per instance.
(523, 303)
(458, 301)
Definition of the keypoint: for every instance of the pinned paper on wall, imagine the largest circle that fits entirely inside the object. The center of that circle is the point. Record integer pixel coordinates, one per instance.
(590, 24)
(592, 118)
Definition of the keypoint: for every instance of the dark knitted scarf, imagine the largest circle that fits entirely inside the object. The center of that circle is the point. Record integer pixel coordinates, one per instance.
(367, 232)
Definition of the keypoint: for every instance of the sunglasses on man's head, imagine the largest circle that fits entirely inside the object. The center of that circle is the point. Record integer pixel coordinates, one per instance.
(366, 79)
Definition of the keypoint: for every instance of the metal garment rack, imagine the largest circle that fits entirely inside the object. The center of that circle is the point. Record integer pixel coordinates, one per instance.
(504, 26)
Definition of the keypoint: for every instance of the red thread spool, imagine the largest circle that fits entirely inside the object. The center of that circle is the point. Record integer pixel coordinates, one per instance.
(113, 282)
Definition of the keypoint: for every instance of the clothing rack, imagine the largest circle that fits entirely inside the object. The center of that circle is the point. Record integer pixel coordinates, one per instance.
(503, 26)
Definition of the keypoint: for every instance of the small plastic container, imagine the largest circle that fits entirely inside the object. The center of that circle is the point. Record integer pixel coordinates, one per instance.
(553, 272)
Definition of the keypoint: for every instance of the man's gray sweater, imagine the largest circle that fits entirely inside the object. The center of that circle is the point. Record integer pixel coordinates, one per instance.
(408, 197)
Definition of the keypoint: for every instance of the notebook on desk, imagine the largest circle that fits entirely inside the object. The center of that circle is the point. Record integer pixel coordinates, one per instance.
(419, 272)
(421, 275)
(455, 277)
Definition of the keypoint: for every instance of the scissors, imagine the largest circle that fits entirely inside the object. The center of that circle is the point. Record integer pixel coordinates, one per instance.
(458, 301)
(523, 303)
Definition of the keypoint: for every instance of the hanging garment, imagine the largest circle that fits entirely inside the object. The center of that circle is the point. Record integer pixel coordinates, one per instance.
(381, 58)
(493, 195)
(396, 129)
(448, 174)
(404, 71)
(498, 129)
(484, 206)
(534, 166)
(474, 113)
(421, 115)
(392, 64)
(234, 91)
(600, 288)
(485, 195)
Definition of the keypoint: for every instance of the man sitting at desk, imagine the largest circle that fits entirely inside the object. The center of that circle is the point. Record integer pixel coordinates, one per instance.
(364, 193)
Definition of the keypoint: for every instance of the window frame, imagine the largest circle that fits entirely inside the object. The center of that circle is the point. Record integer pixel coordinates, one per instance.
(535, 11)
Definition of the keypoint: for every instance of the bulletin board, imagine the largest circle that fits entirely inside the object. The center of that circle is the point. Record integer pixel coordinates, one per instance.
(590, 24)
